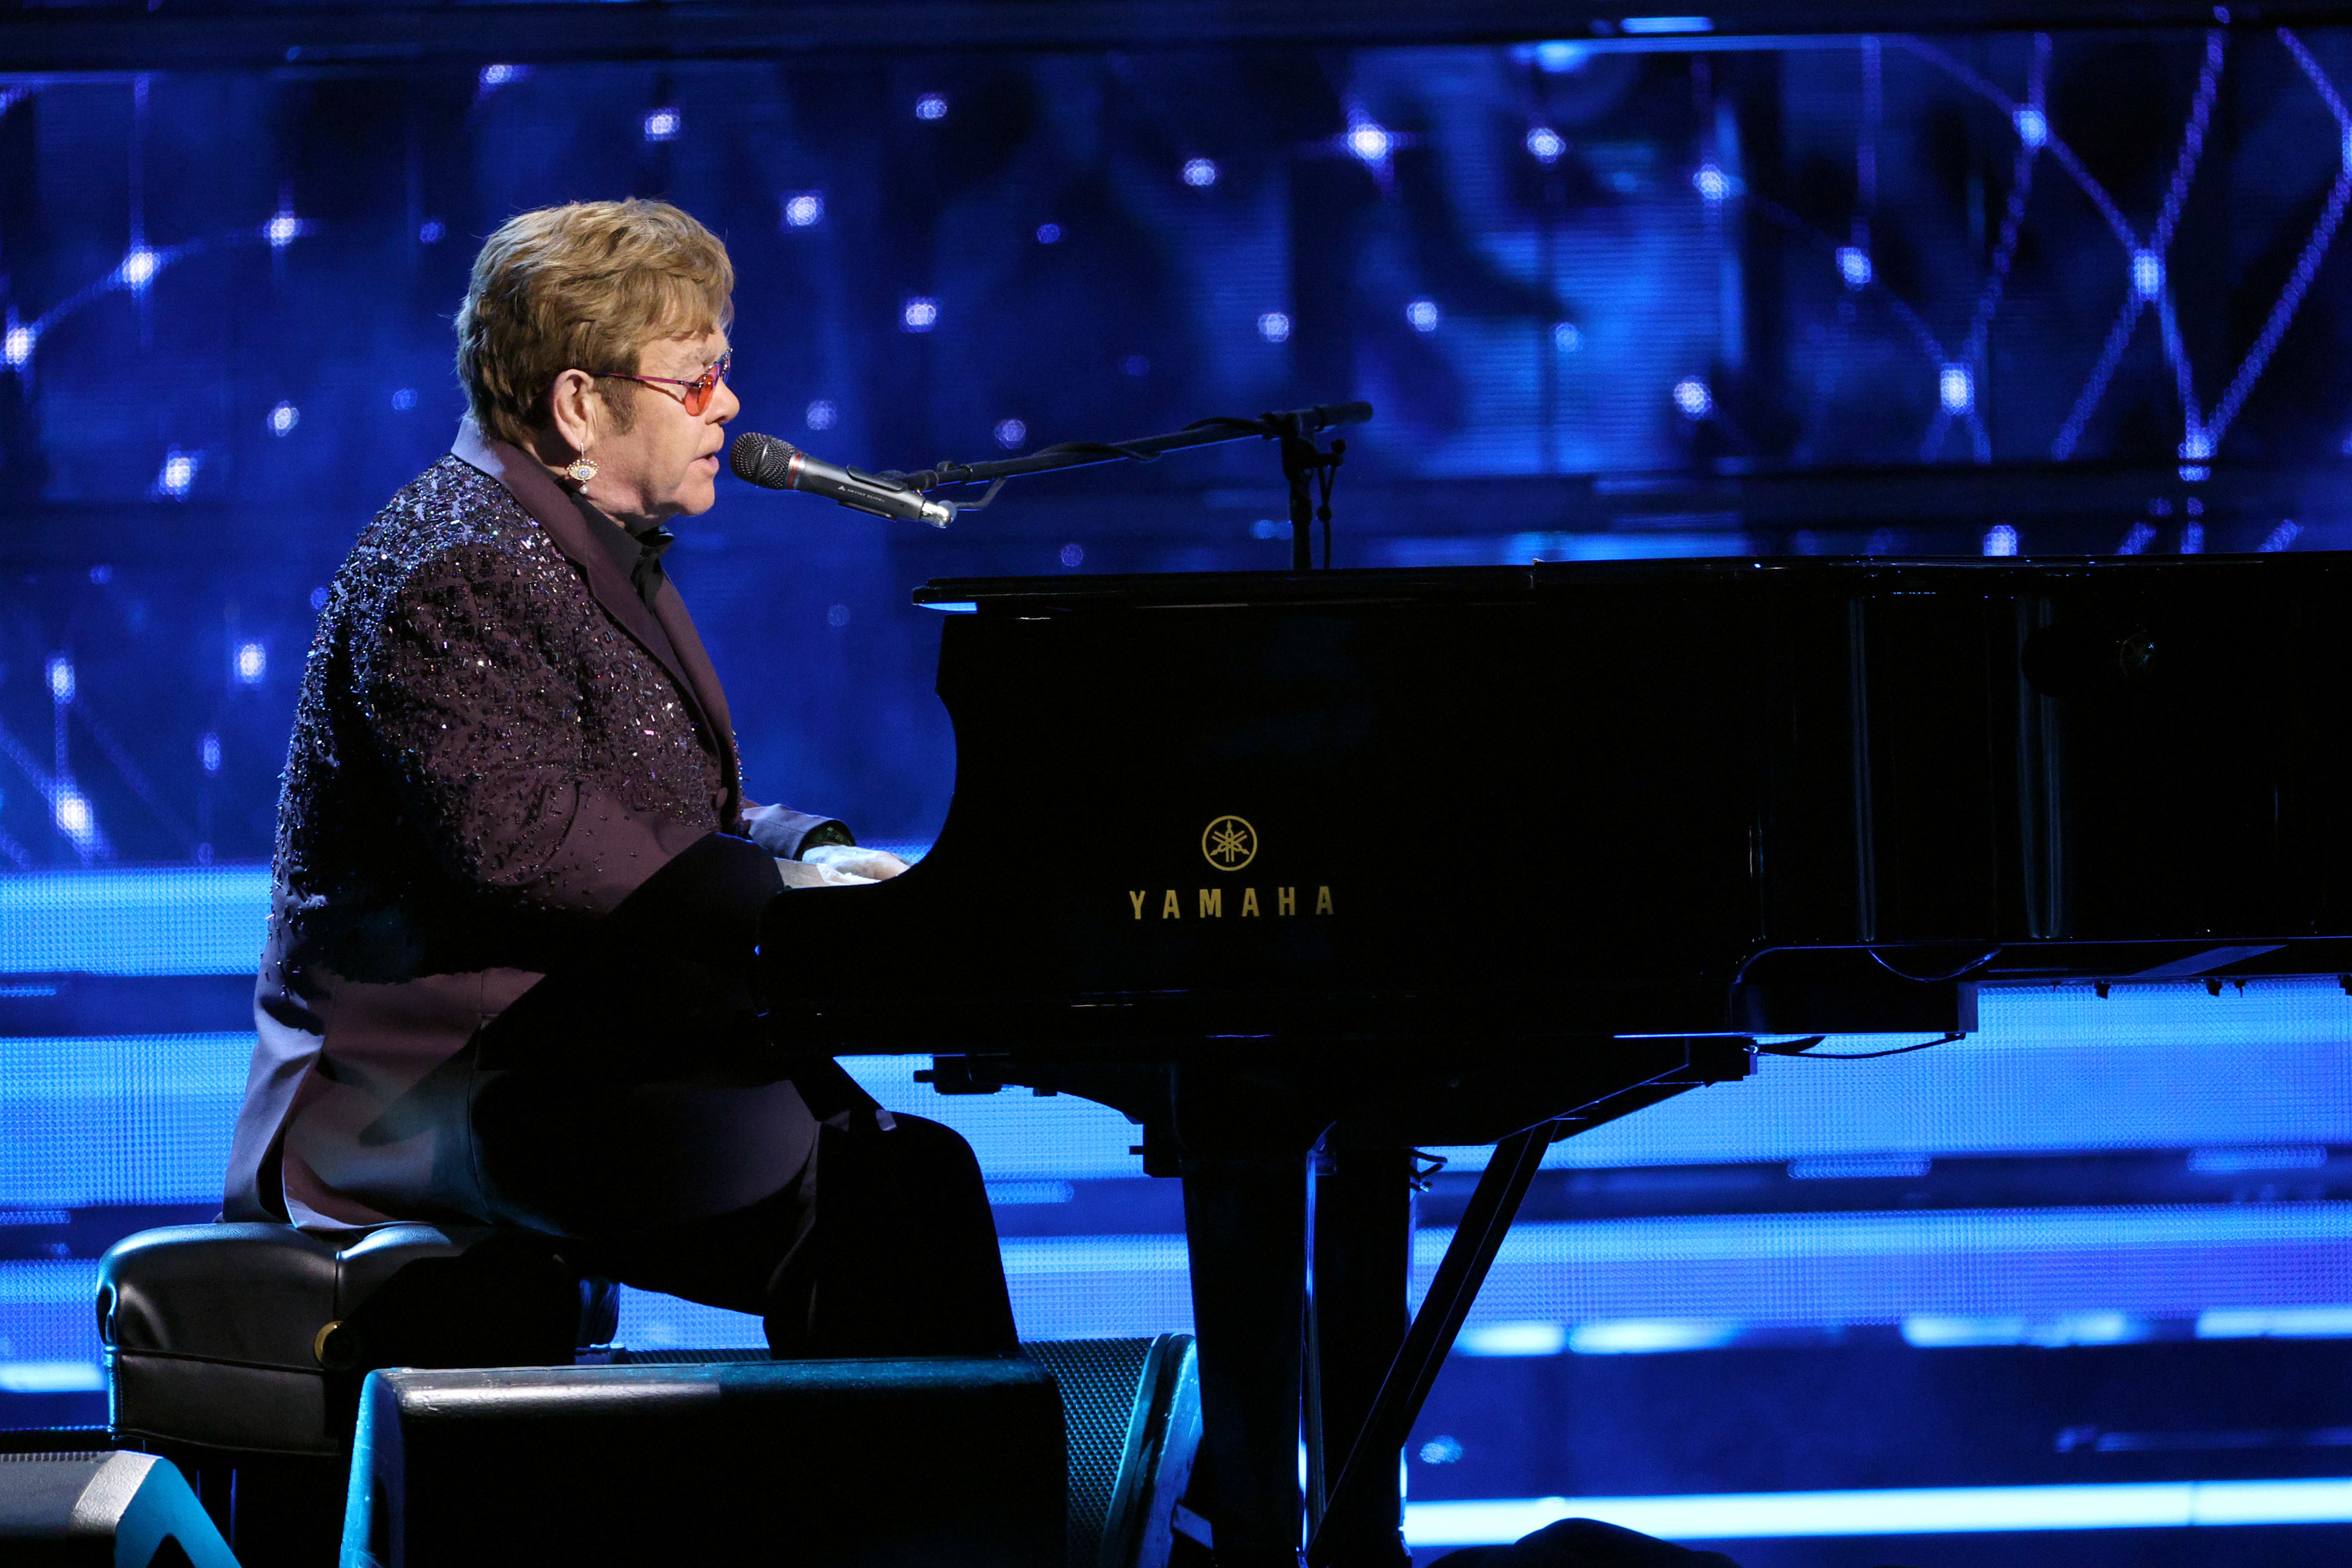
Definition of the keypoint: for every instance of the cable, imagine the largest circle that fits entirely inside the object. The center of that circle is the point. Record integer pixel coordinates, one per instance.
(1801, 1051)
(1976, 963)
(1099, 449)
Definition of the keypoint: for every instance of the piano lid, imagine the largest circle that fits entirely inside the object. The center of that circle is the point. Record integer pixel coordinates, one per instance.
(1677, 797)
(1378, 585)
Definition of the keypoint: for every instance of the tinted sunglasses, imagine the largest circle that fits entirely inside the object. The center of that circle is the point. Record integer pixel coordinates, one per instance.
(695, 394)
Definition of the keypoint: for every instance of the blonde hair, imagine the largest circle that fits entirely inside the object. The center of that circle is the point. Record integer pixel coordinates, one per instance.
(583, 287)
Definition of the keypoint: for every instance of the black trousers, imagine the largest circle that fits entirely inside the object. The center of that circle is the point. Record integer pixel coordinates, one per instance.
(850, 1231)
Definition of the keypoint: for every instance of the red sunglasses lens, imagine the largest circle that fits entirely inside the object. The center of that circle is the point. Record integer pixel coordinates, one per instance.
(699, 391)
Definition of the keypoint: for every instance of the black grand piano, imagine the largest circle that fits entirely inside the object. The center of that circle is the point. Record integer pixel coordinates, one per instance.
(1300, 871)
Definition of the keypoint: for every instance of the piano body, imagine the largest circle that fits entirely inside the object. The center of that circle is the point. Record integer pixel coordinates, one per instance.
(1344, 862)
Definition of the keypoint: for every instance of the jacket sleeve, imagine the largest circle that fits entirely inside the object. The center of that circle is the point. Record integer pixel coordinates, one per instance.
(784, 833)
(481, 727)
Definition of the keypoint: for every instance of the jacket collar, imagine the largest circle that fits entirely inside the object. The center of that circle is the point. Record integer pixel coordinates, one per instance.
(666, 631)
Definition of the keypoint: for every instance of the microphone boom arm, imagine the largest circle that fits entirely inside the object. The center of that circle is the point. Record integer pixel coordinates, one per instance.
(1295, 428)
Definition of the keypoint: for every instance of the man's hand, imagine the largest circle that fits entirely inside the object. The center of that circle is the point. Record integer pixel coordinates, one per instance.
(800, 874)
(874, 865)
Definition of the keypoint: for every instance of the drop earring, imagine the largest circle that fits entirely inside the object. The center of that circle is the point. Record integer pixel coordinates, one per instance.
(581, 469)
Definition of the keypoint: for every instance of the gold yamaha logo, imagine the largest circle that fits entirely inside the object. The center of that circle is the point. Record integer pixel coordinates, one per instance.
(1229, 843)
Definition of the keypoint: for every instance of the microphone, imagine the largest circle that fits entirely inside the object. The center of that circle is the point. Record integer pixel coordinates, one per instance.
(781, 466)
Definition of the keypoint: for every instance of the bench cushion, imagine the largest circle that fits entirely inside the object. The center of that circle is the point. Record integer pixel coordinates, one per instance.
(252, 1339)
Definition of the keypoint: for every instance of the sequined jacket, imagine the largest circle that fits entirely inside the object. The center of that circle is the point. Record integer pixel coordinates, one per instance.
(497, 744)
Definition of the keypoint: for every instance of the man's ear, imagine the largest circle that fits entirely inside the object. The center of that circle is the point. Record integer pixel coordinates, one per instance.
(572, 409)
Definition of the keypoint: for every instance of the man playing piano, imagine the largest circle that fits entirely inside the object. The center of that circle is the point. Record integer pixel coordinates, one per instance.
(508, 971)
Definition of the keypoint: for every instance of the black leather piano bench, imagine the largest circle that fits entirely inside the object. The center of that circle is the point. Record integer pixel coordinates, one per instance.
(239, 1352)
(1073, 1455)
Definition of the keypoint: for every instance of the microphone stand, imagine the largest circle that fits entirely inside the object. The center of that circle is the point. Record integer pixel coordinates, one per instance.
(1306, 466)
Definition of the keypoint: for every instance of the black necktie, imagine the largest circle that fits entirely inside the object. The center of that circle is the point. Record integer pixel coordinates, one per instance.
(648, 571)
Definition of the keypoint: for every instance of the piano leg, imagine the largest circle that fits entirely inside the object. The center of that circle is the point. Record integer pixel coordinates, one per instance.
(1363, 1259)
(1246, 1216)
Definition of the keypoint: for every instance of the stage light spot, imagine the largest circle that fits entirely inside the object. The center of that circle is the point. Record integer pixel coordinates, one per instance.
(2032, 127)
(2275, 1324)
(662, 125)
(17, 346)
(1644, 1336)
(494, 77)
(2001, 538)
(2146, 274)
(1441, 1451)
(1713, 184)
(433, 231)
(1200, 172)
(2137, 540)
(405, 399)
(804, 209)
(283, 418)
(1880, 542)
(931, 106)
(1513, 1339)
(2192, 539)
(1558, 57)
(208, 751)
(1544, 144)
(75, 819)
(1853, 266)
(1566, 337)
(139, 268)
(1956, 388)
(1938, 1330)
(282, 230)
(1049, 234)
(920, 314)
(1370, 142)
(1026, 1193)
(2281, 537)
(1073, 555)
(102, 574)
(2196, 447)
(319, 597)
(60, 672)
(1692, 396)
(1275, 328)
(1423, 315)
(1269, 528)
(1136, 365)
(1657, 26)
(821, 415)
(179, 471)
(252, 663)
(1011, 433)
(837, 617)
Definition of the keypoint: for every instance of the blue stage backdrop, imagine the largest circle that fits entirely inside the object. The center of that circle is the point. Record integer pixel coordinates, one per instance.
(1989, 294)
(2057, 1292)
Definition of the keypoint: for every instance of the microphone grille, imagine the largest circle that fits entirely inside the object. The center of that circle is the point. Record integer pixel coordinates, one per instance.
(761, 459)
